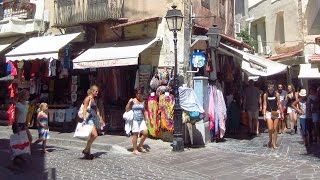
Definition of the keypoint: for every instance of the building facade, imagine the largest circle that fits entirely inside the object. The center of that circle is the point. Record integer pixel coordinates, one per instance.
(283, 31)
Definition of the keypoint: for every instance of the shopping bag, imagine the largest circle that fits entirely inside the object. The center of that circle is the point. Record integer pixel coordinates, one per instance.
(20, 144)
(128, 116)
(83, 131)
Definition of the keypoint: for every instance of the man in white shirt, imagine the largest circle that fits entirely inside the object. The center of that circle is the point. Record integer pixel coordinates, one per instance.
(252, 105)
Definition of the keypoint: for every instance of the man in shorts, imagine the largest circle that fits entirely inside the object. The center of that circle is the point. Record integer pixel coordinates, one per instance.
(282, 122)
(252, 104)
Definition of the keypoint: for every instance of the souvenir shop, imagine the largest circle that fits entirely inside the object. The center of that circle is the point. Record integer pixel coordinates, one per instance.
(45, 73)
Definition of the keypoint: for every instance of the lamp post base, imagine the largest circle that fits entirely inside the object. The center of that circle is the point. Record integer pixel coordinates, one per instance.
(178, 144)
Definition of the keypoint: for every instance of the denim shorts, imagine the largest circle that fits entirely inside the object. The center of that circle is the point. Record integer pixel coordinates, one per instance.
(304, 125)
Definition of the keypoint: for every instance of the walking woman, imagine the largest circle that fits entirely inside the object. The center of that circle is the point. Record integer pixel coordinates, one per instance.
(43, 127)
(272, 112)
(21, 111)
(291, 97)
(92, 117)
(139, 124)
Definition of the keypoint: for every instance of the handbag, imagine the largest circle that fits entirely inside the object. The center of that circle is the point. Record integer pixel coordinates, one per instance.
(19, 143)
(81, 109)
(274, 114)
(128, 116)
(83, 131)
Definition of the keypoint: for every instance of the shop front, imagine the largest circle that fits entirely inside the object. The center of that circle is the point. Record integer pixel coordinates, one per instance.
(119, 68)
(40, 66)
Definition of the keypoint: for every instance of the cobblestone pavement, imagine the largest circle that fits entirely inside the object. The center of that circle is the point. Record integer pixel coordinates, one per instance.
(233, 159)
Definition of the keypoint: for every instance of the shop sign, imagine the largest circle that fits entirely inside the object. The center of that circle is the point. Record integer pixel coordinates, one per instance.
(198, 59)
(67, 57)
(105, 63)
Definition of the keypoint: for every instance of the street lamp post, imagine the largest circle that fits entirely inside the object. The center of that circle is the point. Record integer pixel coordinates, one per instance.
(214, 36)
(174, 19)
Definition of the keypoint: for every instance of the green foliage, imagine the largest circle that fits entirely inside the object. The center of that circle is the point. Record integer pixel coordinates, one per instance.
(247, 38)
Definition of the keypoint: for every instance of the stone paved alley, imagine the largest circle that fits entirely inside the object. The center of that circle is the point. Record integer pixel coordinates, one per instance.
(232, 159)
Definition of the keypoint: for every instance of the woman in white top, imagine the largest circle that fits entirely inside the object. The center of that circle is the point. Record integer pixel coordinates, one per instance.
(21, 111)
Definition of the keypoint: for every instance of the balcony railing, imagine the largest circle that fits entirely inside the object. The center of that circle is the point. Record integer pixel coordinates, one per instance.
(73, 12)
(17, 9)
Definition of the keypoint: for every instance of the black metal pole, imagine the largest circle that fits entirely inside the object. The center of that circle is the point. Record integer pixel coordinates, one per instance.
(178, 144)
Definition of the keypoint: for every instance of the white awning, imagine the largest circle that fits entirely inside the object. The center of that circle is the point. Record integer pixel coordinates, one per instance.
(45, 47)
(6, 42)
(309, 71)
(122, 53)
(254, 65)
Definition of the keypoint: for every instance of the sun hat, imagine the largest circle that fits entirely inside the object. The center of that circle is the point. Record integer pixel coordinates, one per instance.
(303, 92)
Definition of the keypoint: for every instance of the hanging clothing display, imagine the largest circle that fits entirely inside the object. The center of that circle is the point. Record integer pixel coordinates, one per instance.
(166, 103)
(189, 101)
(217, 111)
(152, 119)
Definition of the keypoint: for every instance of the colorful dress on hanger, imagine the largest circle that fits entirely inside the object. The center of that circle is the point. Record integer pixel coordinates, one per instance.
(166, 104)
(152, 120)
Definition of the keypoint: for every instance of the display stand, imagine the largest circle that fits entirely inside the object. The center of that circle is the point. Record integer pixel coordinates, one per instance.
(200, 132)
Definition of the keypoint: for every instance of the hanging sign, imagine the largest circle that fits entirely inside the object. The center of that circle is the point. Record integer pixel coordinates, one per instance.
(67, 57)
(198, 59)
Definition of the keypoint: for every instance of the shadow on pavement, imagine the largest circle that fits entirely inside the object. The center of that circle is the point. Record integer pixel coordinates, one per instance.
(25, 167)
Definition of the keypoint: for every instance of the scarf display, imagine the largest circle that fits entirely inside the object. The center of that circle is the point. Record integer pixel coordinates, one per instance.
(166, 104)
(217, 111)
(152, 119)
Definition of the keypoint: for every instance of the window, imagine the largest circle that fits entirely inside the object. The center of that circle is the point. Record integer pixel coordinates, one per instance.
(205, 4)
(279, 29)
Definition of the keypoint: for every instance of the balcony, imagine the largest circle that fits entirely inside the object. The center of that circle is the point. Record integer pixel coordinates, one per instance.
(75, 12)
(17, 17)
(16, 9)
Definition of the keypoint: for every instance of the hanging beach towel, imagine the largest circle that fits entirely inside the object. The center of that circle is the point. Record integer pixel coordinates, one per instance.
(166, 104)
(152, 119)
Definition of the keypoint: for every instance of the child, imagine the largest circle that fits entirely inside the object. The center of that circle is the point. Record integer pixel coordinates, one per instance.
(301, 105)
(43, 128)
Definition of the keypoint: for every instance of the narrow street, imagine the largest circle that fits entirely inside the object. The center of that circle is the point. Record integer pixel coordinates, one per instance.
(233, 159)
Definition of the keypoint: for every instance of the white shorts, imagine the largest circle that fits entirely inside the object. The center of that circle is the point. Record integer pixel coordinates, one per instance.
(138, 126)
(268, 115)
(290, 110)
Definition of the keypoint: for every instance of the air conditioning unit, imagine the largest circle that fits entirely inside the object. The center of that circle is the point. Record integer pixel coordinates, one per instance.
(237, 27)
(267, 50)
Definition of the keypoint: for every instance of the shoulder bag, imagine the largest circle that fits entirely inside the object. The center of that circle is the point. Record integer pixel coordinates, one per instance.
(81, 109)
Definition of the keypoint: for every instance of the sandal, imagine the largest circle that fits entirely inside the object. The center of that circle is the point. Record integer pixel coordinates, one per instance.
(275, 146)
(141, 149)
(87, 155)
(269, 145)
(136, 152)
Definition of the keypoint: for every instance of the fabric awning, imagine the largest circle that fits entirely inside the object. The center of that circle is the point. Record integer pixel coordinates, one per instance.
(254, 65)
(6, 42)
(309, 71)
(45, 47)
(122, 53)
